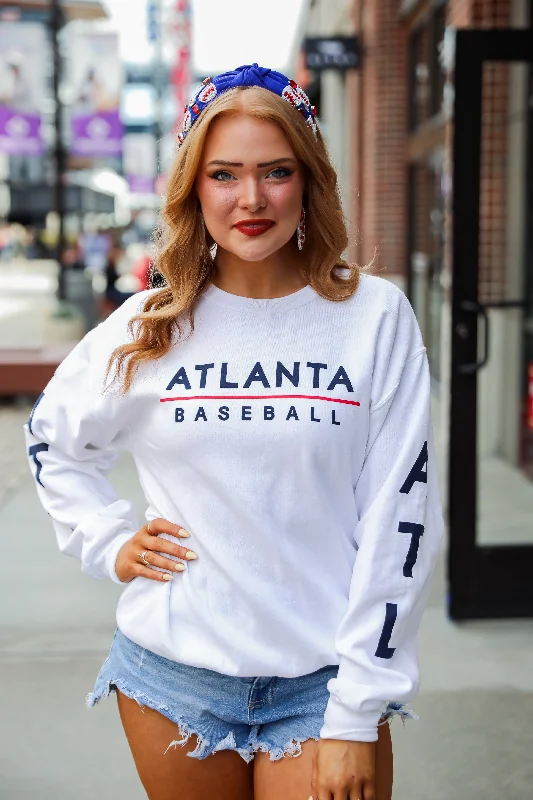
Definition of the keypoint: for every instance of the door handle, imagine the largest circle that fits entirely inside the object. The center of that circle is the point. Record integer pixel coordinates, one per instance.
(474, 307)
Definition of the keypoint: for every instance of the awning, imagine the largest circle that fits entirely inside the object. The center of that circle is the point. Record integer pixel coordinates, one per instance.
(31, 203)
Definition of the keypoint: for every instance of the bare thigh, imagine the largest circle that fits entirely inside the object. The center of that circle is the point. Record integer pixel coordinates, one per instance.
(290, 777)
(175, 776)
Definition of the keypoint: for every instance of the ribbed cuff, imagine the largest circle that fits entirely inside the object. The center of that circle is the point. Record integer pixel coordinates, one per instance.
(112, 552)
(341, 722)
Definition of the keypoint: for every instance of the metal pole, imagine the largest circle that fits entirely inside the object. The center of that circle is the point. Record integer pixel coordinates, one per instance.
(56, 22)
(158, 81)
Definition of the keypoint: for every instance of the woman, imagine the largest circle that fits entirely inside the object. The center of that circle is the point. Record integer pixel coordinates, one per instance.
(282, 436)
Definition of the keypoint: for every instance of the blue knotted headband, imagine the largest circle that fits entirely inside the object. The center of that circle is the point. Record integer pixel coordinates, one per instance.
(247, 75)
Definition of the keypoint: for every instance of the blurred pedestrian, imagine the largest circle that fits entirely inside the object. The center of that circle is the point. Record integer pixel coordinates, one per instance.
(112, 293)
(13, 241)
(277, 402)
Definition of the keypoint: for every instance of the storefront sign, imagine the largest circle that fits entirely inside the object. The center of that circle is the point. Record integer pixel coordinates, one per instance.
(23, 52)
(335, 52)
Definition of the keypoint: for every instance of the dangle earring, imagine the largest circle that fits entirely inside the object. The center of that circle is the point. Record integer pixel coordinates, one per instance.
(300, 231)
(213, 249)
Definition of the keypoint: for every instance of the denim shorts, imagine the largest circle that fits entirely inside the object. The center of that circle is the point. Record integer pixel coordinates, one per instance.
(225, 712)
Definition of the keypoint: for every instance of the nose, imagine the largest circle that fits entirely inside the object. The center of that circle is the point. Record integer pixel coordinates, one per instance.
(252, 196)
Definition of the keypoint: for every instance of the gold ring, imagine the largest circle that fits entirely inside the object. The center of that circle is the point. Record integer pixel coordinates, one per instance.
(148, 527)
(143, 558)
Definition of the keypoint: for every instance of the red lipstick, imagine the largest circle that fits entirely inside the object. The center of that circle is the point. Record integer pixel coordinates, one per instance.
(254, 227)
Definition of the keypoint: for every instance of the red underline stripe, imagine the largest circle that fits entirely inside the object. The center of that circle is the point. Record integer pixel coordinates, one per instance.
(260, 397)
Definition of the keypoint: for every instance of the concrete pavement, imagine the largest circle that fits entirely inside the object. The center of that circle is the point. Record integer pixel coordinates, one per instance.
(473, 739)
(56, 627)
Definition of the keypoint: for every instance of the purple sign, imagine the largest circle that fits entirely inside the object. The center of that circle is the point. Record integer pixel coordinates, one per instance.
(23, 53)
(96, 79)
(20, 133)
(98, 134)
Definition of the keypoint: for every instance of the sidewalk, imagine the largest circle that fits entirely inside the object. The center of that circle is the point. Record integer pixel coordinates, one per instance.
(473, 739)
(55, 631)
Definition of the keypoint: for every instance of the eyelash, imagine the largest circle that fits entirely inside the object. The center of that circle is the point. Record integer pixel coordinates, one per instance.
(288, 172)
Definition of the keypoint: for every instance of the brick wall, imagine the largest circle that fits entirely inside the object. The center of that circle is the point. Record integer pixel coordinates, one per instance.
(493, 183)
(461, 13)
(492, 233)
(490, 13)
(380, 144)
(493, 179)
(379, 98)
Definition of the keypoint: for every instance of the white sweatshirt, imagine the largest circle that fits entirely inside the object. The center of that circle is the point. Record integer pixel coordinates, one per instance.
(292, 438)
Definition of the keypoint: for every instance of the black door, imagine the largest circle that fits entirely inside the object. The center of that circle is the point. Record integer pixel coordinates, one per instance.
(490, 566)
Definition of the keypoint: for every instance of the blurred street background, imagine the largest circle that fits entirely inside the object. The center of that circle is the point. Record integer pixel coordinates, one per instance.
(427, 109)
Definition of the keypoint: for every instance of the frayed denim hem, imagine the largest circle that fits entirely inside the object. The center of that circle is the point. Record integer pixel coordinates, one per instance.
(292, 749)
(396, 710)
(203, 748)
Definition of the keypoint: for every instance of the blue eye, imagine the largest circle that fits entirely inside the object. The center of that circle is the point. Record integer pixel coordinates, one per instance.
(282, 172)
(222, 175)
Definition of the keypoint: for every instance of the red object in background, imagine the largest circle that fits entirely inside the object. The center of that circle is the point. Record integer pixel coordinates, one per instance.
(530, 397)
(179, 31)
(141, 270)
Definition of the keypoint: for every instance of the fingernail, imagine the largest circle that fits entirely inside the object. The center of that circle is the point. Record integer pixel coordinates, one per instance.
(179, 567)
(189, 555)
(167, 577)
(182, 532)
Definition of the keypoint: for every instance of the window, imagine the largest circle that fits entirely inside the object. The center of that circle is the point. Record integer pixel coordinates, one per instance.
(426, 199)
(438, 28)
(426, 78)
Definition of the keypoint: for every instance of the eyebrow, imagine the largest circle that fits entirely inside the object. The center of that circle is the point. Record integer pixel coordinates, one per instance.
(262, 164)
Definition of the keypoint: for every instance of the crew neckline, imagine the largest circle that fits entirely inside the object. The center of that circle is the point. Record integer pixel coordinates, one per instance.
(215, 294)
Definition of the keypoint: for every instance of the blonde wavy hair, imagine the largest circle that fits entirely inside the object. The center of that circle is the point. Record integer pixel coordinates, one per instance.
(183, 245)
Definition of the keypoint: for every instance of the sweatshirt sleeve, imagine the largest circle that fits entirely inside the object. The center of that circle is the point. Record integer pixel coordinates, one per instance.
(72, 438)
(398, 538)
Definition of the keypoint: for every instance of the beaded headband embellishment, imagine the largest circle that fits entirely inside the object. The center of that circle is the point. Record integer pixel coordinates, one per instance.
(247, 75)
